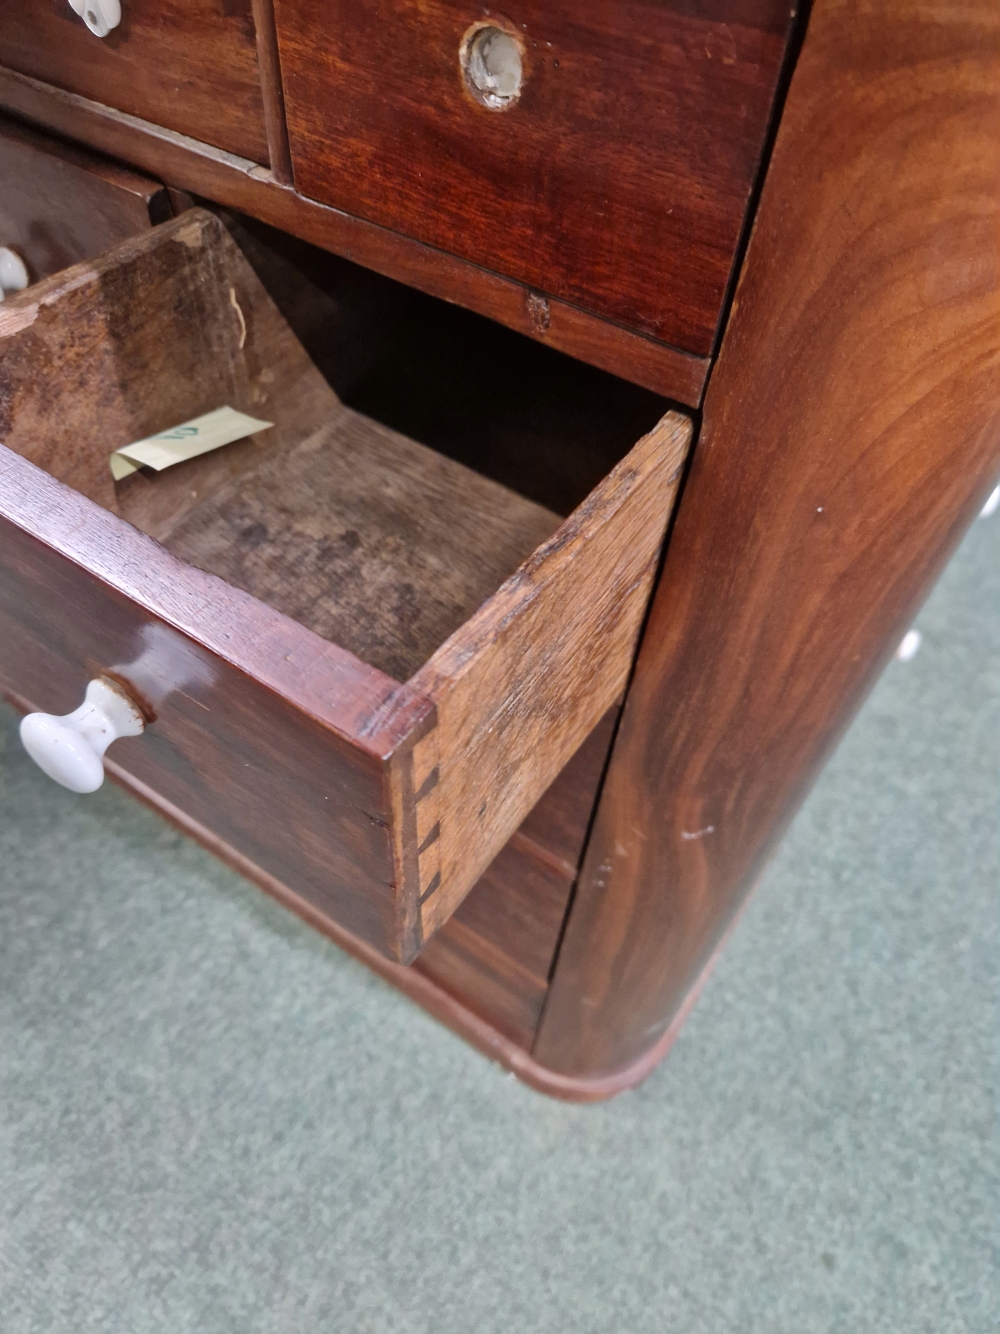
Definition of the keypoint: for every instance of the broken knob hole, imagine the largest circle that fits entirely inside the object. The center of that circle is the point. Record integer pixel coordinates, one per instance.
(491, 64)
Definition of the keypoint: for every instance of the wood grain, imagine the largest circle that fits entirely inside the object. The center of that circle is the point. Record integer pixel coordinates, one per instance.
(279, 154)
(165, 327)
(189, 65)
(850, 434)
(617, 183)
(265, 732)
(366, 537)
(494, 954)
(240, 183)
(556, 827)
(61, 204)
(521, 685)
(160, 329)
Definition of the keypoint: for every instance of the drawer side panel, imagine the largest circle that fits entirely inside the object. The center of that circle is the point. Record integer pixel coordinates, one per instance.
(530, 675)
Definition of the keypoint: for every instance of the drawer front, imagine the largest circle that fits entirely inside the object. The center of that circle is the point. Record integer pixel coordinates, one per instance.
(380, 802)
(616, 180)
(61, 204)
(497, 951)
(252, 764)
(189, 65)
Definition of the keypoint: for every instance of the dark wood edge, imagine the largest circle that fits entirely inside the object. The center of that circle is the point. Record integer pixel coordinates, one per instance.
(152, 192)
(544, 855)
(240, 184)
(434, 999)
(326, 682)
(269, 65)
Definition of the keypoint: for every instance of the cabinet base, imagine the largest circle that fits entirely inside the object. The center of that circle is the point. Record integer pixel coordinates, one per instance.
(462, 1020)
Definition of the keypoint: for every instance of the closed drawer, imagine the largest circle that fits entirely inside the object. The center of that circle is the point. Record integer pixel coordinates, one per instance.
(616, 178)
(62, 204)
(361, 662)
(190, 65)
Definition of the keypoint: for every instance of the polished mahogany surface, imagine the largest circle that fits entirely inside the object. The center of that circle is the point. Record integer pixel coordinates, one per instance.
(189, 65)
(617, 181)
(851, 432)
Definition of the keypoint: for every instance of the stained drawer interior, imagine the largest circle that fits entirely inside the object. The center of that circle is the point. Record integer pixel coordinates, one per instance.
(337, 517)
(366, 537)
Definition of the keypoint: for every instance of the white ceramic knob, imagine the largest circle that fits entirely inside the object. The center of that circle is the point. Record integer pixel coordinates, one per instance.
(13, 273)
(70, 748)
(100, 16)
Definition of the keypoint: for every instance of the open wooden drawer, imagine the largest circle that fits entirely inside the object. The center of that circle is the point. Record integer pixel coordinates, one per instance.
(361, 663)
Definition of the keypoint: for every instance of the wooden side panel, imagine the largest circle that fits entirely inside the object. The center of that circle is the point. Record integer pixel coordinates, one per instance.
(617, 182)
(851, 432)
(557, 826)
(495, 954)
(190, 65)
(60, 204)
(527, 678)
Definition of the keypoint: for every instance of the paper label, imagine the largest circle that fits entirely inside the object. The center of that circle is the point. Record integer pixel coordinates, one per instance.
(186, 441)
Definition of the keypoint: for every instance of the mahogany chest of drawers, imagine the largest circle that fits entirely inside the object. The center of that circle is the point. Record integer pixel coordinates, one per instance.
(505, 650)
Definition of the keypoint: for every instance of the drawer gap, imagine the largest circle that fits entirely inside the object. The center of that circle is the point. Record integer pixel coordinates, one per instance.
(539, 422)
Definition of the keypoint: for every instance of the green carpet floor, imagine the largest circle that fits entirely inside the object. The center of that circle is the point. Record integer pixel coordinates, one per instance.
(213, 1121)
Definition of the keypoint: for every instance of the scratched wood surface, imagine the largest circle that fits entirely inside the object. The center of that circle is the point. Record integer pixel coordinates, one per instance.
(851, 432)
(370, 539)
